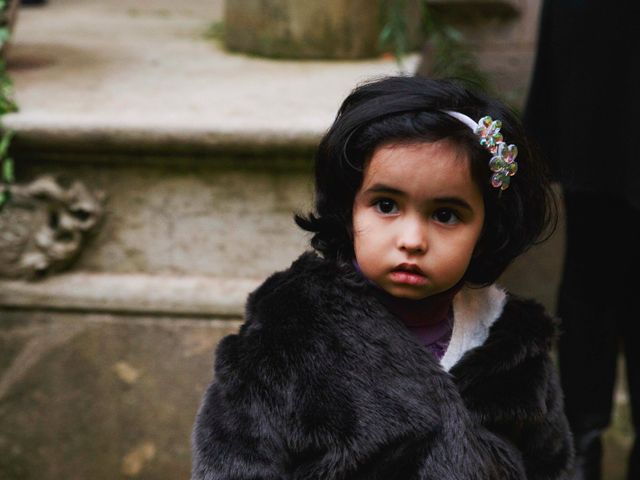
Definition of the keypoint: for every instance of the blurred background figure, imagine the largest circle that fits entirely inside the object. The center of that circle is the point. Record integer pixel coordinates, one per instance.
(580, 109)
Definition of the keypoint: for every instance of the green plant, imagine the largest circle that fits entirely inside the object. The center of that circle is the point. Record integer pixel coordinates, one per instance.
(215, 31)
(5, 32)
(393, 34)
(6, 175)
(7, 105)
(450, 55)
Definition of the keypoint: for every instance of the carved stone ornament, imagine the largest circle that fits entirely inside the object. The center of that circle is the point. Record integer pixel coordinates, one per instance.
(45, 225)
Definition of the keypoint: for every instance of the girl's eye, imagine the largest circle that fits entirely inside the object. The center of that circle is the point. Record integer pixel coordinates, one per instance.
(386, 206)
(445, 215)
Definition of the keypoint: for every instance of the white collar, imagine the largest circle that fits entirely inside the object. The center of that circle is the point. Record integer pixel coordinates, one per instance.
(474, 311)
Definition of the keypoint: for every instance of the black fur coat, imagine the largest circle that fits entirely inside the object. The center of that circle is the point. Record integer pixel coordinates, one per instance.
(322, 382)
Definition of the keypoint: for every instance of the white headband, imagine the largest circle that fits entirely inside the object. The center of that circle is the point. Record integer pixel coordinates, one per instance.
(502, 163)
(463, 118)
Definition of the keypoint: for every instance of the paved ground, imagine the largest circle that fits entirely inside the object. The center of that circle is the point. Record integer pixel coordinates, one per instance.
(125, 72)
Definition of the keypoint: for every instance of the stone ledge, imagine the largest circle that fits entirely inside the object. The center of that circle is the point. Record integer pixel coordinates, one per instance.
(131, 293)
(72, 140)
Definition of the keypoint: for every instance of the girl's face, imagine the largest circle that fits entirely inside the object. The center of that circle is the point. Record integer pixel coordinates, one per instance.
(417, 218)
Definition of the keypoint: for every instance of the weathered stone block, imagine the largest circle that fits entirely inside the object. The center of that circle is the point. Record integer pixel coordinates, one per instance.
(193, 218)
(332, 29)
(101, 396)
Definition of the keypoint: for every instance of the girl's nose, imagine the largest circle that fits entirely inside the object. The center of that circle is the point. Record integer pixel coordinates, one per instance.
(412, 237)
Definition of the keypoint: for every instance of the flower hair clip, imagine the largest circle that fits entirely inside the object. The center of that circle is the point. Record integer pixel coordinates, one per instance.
(502, 163)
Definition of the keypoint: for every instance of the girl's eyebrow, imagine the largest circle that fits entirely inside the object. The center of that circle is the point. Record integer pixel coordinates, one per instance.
(457, 201)
(381, 188)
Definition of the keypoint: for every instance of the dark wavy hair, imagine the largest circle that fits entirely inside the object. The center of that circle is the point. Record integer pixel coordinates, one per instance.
(409, 110)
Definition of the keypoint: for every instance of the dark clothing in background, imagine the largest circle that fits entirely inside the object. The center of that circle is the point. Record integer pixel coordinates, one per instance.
(598, 308)
(583, 111)
(584, 107)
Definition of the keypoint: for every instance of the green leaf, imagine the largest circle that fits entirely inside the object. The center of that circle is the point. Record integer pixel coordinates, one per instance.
(4, 197)
(5, 141)
(385, 34)
(8, 171)
(215, 31)
(454, 34)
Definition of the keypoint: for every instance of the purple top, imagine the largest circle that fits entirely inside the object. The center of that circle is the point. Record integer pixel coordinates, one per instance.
(429, 319)
(435, 337)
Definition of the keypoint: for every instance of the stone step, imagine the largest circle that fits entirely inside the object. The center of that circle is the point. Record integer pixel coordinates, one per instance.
(139, 294)
(96, 78)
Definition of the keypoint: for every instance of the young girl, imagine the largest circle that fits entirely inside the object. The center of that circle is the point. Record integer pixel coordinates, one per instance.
(389, 353)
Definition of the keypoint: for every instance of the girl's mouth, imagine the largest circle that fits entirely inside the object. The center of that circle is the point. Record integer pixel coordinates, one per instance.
(409, 274)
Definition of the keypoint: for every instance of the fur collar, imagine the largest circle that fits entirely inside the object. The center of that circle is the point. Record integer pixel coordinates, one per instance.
(504, 325)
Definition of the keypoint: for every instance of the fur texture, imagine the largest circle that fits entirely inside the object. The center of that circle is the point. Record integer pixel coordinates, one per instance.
(322, 382)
